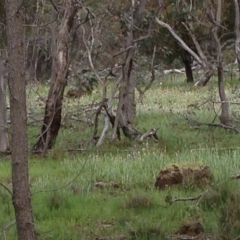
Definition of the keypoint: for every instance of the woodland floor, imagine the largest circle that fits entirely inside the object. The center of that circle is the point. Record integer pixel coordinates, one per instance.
(108, 192)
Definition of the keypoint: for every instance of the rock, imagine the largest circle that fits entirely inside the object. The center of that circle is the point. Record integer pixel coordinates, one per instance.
(193, 174)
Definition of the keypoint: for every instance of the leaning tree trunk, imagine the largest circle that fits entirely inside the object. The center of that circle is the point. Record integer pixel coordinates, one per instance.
(18, 114)
(200, 57)
(3, 110)
(53, 108)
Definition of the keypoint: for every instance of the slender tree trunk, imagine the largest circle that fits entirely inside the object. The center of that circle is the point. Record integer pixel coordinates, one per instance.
(237, 32)
(53, 108)
(3, 110)
(19, 145)
(188, 69)
(224, 117)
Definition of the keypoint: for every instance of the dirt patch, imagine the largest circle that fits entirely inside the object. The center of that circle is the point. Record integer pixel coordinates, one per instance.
(74, 93)
(192, 228)
(106, 185)
(186, 174)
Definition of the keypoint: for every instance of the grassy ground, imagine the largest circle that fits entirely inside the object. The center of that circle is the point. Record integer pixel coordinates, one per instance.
(68, 205)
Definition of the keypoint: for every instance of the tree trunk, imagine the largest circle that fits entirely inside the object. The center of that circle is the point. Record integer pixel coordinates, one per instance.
(53, 108)
(237, 32)
(3, 110)
(19, 146)
(188, 69)
(127, 106)
(224, 117)
(128, 95)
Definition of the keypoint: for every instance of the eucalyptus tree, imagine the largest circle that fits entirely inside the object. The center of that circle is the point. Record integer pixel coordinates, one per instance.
(208, 56)
(197, 26)
(19, 143)
(60, 66)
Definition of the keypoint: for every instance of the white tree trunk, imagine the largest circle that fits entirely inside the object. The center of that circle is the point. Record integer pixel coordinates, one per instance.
(3, 114)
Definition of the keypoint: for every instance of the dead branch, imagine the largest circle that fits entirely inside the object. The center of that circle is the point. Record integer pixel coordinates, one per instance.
(102, 104)
(183, 44)
(171, 200)
(212, 124)
(144, 37)
(112, 120)
(221, 125)
(104, 131)
(123, 51)
(151, 133)
(129, 131)
(89, 47)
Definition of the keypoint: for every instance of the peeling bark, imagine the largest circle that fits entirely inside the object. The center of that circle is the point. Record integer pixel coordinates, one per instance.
(53, 108)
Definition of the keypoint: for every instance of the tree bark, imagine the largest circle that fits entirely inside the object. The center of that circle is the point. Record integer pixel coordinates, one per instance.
(53, 108)
(128, 96)
(224, 117)
(19, 146)
(188, 69)
(3, 110)
(127, 106)
(237, 32)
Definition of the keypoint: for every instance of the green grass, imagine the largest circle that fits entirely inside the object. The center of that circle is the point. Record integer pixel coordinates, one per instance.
(67, 204)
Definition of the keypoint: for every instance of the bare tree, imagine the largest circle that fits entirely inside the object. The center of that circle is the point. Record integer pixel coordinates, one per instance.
(19, 146)
(53, 108)
(3, 107)
(127, 107)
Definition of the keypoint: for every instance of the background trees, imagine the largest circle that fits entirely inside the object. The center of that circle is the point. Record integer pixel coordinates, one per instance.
(107, 48)
(108, 40)
(113, 39)
(60, 65)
